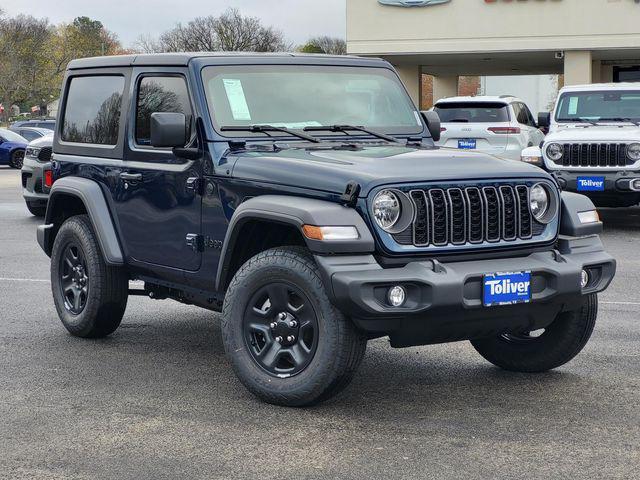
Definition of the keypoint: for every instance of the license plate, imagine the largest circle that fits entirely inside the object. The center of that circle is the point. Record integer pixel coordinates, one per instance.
(506, 288)
(590, 184)
(467, 144)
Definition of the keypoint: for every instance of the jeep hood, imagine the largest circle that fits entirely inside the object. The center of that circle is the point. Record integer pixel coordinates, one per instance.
(330, 169)
(601, 133)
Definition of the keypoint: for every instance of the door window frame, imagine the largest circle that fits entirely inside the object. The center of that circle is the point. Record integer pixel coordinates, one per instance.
(147, 153)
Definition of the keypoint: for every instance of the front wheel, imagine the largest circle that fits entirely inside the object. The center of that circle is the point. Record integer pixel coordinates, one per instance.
(287, 343)
(541, 351)
(17, 159)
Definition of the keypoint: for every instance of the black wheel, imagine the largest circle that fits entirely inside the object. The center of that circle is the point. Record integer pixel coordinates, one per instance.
(90, 296)
(546, 349)
(287, 343)
(37, 209)
(17, 158)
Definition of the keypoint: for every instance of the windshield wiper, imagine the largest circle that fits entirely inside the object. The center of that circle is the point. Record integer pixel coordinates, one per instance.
(577, 120)
(269, 128)
(350, 128)
(618, 119)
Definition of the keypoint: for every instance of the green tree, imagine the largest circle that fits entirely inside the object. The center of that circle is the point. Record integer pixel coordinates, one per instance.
(327, 45)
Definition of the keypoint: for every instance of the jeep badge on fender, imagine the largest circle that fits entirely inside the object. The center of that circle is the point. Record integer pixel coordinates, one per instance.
(303, 198)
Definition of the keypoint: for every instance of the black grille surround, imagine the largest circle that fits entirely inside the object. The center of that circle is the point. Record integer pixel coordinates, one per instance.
(592, 155)
(45, 154)
(472, 216)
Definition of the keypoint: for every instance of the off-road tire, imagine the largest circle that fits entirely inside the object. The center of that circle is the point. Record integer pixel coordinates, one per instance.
(559, 343)
(106, 300)
(340, 346)
(36, 209)
(17, 159)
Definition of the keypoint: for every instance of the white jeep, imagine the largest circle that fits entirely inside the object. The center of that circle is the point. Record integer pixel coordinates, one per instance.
(593, 145)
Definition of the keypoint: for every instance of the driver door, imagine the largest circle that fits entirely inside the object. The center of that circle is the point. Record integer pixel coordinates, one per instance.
(156, 206)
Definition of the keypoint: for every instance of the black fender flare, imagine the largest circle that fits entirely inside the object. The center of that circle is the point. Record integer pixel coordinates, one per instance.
(92, 197)
(570, 225)
(296, 211)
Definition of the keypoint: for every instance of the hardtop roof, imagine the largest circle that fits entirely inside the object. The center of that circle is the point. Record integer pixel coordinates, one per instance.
(183, 59)
(597, 87)
(503, 99)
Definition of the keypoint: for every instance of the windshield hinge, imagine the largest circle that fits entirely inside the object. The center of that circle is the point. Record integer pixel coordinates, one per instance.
(350, 195)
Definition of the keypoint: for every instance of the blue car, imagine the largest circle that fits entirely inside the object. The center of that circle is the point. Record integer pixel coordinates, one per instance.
(12, 148)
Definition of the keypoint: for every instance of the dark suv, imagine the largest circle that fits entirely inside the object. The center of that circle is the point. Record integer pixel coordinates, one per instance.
(302, 196)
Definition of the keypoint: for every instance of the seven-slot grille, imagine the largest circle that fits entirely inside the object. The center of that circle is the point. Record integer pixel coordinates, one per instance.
(595, 155)
(469, 215)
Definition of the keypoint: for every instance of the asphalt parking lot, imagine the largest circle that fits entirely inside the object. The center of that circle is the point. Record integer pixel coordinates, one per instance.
(159, 400)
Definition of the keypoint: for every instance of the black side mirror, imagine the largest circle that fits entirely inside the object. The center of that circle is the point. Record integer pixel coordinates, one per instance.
(544, 120)
(432, 119)
(168, 129)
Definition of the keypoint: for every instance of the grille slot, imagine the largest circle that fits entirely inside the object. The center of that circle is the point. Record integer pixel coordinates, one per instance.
(469, 215)
(595, 155)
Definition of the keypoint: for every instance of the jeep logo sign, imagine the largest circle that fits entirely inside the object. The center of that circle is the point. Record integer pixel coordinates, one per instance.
(412, 3)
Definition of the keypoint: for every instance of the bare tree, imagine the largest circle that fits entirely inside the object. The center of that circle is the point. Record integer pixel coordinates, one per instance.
(147, 44)
(230, 31)
(328, 45)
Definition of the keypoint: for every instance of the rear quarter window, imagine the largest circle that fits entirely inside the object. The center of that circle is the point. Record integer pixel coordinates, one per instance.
(472, 112)
(92, 112)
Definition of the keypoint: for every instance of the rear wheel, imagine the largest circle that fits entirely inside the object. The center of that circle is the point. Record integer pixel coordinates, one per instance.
(17, 159)
(545, 350)
(287, 343)
(37, 209)
(89, 295)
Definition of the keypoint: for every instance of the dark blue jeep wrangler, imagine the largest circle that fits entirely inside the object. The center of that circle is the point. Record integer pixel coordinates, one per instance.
(303, 198)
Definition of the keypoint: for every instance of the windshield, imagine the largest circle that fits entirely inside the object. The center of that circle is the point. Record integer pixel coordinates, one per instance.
(599, 106)
(472, 112)
(299, 96)
(10, 136)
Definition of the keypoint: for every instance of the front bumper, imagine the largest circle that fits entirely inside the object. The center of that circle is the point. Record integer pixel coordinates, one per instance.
(618, 186)
(33, 187)
(444, 300)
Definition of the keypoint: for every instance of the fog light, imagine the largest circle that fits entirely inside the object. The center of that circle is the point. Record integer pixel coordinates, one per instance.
(396, 296)
(584, 280)
(635, 185)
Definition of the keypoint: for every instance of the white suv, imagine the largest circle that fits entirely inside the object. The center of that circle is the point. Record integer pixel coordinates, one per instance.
(502, 126)
(593, 145)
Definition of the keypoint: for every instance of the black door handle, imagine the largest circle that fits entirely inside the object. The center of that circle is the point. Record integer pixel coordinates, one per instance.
(131, 177)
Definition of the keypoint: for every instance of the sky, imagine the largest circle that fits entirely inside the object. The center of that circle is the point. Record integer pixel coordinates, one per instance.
(297, 19)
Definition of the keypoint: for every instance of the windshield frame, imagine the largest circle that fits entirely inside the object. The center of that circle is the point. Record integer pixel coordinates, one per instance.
(592, 120)
(319, 62)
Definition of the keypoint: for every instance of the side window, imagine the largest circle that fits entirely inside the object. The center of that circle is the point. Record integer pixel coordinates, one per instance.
(521, 114)
(516, 112)
(92, 113)
(530, 120)
(159, 94)
(29, 135)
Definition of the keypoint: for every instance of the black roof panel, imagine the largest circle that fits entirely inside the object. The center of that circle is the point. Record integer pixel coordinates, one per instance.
(183, 59)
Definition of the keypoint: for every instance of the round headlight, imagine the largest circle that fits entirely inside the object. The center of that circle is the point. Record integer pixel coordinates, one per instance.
(633, 152)
(555, 151)
(386, 209)
(539, 201)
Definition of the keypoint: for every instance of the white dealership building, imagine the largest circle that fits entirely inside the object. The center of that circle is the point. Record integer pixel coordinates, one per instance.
(589, 41)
